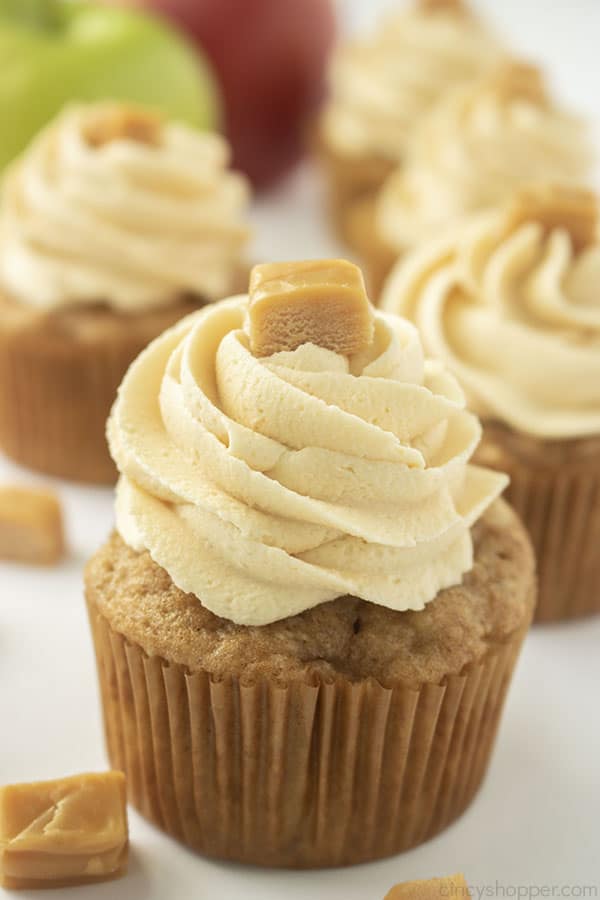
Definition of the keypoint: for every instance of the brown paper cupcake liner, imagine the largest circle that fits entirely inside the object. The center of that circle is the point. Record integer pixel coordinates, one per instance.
(297, 775)
(560, 506)
(59, 375)
(55, 397)
(376, 256)
(562, 513)
(348, 179)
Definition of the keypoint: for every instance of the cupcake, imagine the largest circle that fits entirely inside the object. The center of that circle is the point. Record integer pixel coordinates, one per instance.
(479, 144)
(380, 87)
(511, 304)
(306, 621)
(113, 226)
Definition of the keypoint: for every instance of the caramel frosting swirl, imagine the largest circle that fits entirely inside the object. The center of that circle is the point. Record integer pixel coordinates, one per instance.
(266, 486)
(511, 304)
(478, 145)
(380, 87)
(112, 204)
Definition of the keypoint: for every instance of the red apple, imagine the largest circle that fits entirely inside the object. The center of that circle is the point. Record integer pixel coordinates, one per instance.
(270, 58)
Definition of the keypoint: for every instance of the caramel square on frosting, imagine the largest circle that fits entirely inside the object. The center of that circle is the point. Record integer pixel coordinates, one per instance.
(68, 831)
(31, 527)
(557, 206)
(456, 7)
(116, 121)
(323, 302)
(454, 887)
(512, 80)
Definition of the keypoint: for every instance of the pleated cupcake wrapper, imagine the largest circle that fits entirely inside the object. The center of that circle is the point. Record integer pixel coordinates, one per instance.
(561, 510)
(347, 179)
(376, 258)
(54, 402)
(296, 775)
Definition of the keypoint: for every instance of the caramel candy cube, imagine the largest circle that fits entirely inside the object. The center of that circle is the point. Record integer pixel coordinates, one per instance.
(513, 80)
(557, 206)
(123, 122)
(31, 527)
(321, 302)
(455, 7)
(453, 888)
(58, 833)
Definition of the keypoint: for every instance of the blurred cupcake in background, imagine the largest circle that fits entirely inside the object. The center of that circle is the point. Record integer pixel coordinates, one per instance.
(113, 225)
(480, 143)
(381, 86)
(511, 303)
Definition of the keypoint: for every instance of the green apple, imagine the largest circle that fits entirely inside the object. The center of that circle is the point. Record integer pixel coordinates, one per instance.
(56, 51)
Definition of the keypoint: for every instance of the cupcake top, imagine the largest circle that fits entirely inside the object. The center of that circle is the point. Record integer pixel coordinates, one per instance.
(381, 86)
(347, 637)
(480, 143)
(113, 204)
(268, 484)
(511, 304)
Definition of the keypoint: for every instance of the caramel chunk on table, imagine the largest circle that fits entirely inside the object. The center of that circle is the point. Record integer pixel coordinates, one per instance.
(68, 831)
(321, 302)
(454, 887)
(31, 526)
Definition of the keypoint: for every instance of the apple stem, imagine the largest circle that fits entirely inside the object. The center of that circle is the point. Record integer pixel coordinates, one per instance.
(41, 15)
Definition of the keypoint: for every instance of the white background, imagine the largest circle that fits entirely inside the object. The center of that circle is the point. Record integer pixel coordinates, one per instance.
(536, 820)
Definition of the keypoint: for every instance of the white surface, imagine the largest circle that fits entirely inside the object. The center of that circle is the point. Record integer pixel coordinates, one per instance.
(535, 822)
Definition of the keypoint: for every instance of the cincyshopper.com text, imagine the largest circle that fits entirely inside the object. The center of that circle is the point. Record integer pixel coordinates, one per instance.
(521, 891)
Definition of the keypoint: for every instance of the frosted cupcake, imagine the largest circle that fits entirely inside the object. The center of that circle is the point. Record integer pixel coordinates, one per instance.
(511, 304)
(307, 619)
(475, 148)
(113, 225)
(380, 87)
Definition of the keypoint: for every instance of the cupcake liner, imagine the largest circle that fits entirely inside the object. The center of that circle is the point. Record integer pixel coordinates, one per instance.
(562, 513)
(560, 506)
(59, 375)
(55, 396)
(376, 257)
(299, 774)
(348, 178)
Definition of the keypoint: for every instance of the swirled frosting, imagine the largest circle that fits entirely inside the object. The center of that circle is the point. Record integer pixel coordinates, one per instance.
(380, 87)
(133, 220)
(514, 311)
(480, 143)
(266, 486)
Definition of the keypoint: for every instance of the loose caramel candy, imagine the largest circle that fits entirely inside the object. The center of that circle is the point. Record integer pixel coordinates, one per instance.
(557, 206)
(58, 833)
(31, 527)
(321, 302)
(453, 888)
(115, 121)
